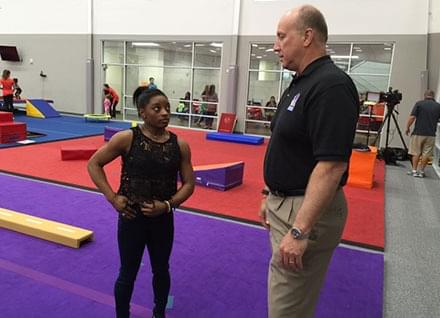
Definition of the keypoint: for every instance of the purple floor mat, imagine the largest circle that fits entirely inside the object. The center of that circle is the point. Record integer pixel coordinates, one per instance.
(218, 268)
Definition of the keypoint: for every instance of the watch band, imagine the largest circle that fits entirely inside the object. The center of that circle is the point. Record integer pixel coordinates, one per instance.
(297, 234)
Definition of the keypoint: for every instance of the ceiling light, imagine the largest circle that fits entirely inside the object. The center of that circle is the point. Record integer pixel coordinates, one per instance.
(144, 44)
(344, 57)
(387, 48)
(214, 44)
(200, 44)
(255, 45)
(213, 51)
(187, 45)
(259, 57)
(269, 50)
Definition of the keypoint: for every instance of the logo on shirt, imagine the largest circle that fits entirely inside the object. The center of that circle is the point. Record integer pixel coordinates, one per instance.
(293, 103)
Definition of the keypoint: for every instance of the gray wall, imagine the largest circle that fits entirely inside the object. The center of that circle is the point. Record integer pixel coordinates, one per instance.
(434, 62)
(61, 57)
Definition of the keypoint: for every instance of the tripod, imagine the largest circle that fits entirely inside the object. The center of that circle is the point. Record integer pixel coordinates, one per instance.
(386, 152)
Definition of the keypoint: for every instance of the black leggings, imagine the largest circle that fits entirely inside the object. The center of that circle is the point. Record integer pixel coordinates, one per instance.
(133, 235)
(113, 109)
(8, 103)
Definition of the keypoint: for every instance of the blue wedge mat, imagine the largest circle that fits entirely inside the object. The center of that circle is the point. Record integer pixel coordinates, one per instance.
(45, 108)
(242, 139)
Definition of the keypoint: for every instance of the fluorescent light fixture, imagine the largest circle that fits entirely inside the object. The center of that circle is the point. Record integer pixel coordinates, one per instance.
(213, 51)
(259, 57)
(354, 57)
(144, 44)
(387, 48)
(187, 45)
(214, 44)
(253, 54)
(200, 44)
(269, 50)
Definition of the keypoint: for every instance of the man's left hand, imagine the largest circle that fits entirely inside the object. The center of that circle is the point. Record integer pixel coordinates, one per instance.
(291, 252)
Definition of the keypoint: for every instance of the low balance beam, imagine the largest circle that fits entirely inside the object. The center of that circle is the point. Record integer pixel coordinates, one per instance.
(45, 229)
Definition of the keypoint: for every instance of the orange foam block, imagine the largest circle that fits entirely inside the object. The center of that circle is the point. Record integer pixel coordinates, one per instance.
(361, 170)
(77, 153)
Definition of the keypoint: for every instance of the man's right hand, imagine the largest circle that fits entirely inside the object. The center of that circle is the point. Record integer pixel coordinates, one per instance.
(263, 214)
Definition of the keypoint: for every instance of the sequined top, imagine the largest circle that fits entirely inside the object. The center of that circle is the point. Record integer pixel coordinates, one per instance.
(149, 169)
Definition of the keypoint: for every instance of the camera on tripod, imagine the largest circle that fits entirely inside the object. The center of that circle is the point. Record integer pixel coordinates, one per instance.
(391, 98)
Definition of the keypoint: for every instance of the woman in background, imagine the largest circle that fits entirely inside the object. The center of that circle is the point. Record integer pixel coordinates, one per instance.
(7, 85)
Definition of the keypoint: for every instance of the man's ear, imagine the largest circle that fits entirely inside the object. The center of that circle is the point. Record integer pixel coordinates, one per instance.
(308, 36)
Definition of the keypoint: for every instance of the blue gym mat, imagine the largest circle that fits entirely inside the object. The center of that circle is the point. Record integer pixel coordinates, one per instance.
(238, 138)
(45, 108)
(62, 128)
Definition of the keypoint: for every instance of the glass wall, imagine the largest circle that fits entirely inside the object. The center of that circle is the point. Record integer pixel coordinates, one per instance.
(182, 70)
(368, 64)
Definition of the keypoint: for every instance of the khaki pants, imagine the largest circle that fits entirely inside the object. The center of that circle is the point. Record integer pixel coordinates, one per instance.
(294, 294)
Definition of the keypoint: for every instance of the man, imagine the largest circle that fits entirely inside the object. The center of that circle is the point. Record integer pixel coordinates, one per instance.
(426, 114)
(306, 164)
(151, 85)
(114, 97)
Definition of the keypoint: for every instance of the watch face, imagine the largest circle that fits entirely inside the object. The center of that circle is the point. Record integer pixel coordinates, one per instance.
(296, 233)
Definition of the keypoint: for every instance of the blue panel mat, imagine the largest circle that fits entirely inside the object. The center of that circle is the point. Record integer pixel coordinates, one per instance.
(64, 127)
(242, 139)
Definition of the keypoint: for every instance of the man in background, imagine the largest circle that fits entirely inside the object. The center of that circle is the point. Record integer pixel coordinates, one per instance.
(151, 84)
(426, 114)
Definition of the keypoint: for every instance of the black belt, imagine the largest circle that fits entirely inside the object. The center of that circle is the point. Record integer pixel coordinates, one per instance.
(289, 193)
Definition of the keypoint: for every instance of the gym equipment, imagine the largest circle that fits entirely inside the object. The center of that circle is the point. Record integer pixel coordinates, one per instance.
(77, 153)
(97, 117)
(220, 176)
(238, 138)
(45, 229)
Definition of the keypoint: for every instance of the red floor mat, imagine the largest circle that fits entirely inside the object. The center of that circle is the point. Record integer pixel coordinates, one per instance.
(366, 207)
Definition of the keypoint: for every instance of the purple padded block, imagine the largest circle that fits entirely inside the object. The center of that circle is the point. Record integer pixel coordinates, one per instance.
(110, 131)
(223, 178)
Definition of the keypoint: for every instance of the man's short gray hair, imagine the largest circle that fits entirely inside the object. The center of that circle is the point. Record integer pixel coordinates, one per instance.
(310, 17)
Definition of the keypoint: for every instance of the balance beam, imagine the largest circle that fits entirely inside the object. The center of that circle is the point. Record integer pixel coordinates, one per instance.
(45, 229)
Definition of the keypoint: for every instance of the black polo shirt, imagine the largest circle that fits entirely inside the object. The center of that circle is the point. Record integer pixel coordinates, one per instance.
(315, 121)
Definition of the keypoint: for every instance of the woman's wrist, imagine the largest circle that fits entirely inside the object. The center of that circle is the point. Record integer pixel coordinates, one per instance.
(168, 206)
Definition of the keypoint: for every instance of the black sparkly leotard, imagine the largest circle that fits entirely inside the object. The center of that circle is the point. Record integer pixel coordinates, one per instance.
(149, 169)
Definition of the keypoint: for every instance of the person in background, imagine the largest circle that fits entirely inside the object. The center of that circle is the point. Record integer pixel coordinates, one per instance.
(184, 103)
(203, 105)
(7, 85)
(211, 106)
(426, 114)
(306, 164)
(17, 89)
(114, 97)
(107, 105)
(152, 156)
(151, 84)
(268, 113)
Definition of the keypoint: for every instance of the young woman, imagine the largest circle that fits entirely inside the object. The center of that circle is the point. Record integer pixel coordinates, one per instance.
(8, 89)
(151, 158)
